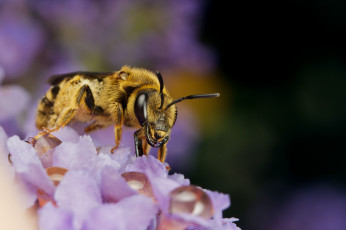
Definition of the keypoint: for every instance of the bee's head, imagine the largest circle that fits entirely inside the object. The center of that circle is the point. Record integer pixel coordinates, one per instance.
(157, 113)
(155, 120)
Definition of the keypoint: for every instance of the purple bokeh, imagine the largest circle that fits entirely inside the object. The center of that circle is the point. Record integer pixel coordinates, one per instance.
(312, 207)
(14, 100)
(20, 42)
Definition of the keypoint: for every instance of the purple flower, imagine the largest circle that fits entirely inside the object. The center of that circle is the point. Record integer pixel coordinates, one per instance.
(28, 166)
(13, 100)
(53, 218)
(134, 212)
(20, 41)
(82, 187)
(78, 193)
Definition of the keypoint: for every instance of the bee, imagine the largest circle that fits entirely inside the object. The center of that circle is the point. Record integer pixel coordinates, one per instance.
(134, 97)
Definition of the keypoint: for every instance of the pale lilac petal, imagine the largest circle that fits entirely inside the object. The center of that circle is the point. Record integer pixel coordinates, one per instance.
(179, 178)
(53, 218)
(105, 217)
(13, 100)
(28, 166)
(191, 219)
(29, 196)
(76, 156)
(67, 134)
(113, 186)
(220, 202)
(228, 224)
(78, 192)
(149, 164)
(102, 160)
(132, 213)
(161, 188)
(121, 154)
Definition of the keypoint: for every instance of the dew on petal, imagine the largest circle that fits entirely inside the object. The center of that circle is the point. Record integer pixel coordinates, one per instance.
(45, 143)
(192, 200)
(56, 174)
(44, 199)
(166, 223)
(139, 182)
(9, 158)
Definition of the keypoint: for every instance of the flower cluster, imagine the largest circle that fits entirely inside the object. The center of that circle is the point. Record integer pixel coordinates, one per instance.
(79, 186)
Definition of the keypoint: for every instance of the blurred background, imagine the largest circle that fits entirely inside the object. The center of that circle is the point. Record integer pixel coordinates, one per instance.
(274, 140)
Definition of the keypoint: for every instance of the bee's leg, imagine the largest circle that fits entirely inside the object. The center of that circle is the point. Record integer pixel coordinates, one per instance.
(69, 112)
(146, 147)
(118, 119)
(93, 127)
(141, 145)
(138, 144)
(117, 135)
(161, 154)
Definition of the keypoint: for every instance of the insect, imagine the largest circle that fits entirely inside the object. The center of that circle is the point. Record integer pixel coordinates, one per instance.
(133, 97)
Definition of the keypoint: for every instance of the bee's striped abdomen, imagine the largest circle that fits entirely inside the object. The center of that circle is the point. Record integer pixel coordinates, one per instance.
(45, 107)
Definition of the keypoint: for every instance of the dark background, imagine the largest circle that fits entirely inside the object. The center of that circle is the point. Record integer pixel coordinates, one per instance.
(284, 129)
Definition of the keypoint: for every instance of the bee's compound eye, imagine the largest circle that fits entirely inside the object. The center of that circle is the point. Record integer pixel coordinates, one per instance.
(141, 108)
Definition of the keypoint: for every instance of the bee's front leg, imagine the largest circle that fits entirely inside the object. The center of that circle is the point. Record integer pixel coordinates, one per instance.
(138, 144)
(161, 154)
(141, 145)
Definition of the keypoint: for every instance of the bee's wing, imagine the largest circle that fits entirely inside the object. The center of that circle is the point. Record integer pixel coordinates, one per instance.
(56, 79)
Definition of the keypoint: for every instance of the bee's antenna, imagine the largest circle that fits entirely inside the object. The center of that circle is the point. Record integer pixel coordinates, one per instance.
(159, 77)
(193, 97)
